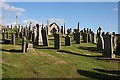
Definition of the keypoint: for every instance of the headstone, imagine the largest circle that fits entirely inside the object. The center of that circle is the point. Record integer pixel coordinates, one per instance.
(57, 41)
(3, 35)
(85, 36)
(93, 38)
(39, 40)
(13, 39)
(21, 35)
(29, 47)
(62, 30)
(7, 35)
(114, 40)
(24, 45)
(78, 41)
(33, 37)
(44, 37)
(118, 45)
(67, 40)
(108, 46)
(100, 43)
(89, 37)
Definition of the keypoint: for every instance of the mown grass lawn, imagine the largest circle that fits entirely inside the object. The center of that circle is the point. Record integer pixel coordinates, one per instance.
(76, 61)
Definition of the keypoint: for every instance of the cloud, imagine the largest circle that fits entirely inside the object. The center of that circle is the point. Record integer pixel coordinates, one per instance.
(8, 13)
(7, 7)
(115, 9)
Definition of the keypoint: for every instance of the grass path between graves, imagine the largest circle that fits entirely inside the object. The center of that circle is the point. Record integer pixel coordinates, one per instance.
(76, 61)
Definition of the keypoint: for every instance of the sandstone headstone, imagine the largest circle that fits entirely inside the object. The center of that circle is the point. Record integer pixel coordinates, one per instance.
(29, 47)
(114, 40)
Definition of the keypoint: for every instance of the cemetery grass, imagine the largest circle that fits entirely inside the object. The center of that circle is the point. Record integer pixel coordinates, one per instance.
(76, 61)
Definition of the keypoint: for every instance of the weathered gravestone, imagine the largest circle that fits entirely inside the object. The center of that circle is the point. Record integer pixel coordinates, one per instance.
(57, 41)
(100, 43)
(118, 45)
(3, 35)
(7, 35)
(67, 40)
(24, 45)
(13, 39)
(29, 47)
(114, 40)
(74, 34)
(78, 39)
(85, 37)
(21, 35)
(89, 37)
(39, 40)
(44, 37)
(108, 46)
(93, 38)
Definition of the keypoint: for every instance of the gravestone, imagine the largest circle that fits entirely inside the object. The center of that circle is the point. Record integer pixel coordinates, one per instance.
(39, 40)
(44, 37)
(85, 37)
(67, 40)
(74, 34)
(21, 35)
(30, 35)
(118, 45)
(24, 45)
(13, 39)
(100, 43)
(93, 38)
(3, 35)
(108, 46)
(7, 35)
(78, 39)
(62, 30)
(114, 40)
(89, 37)
(57, 41)
(29, 47)
(33, 37)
